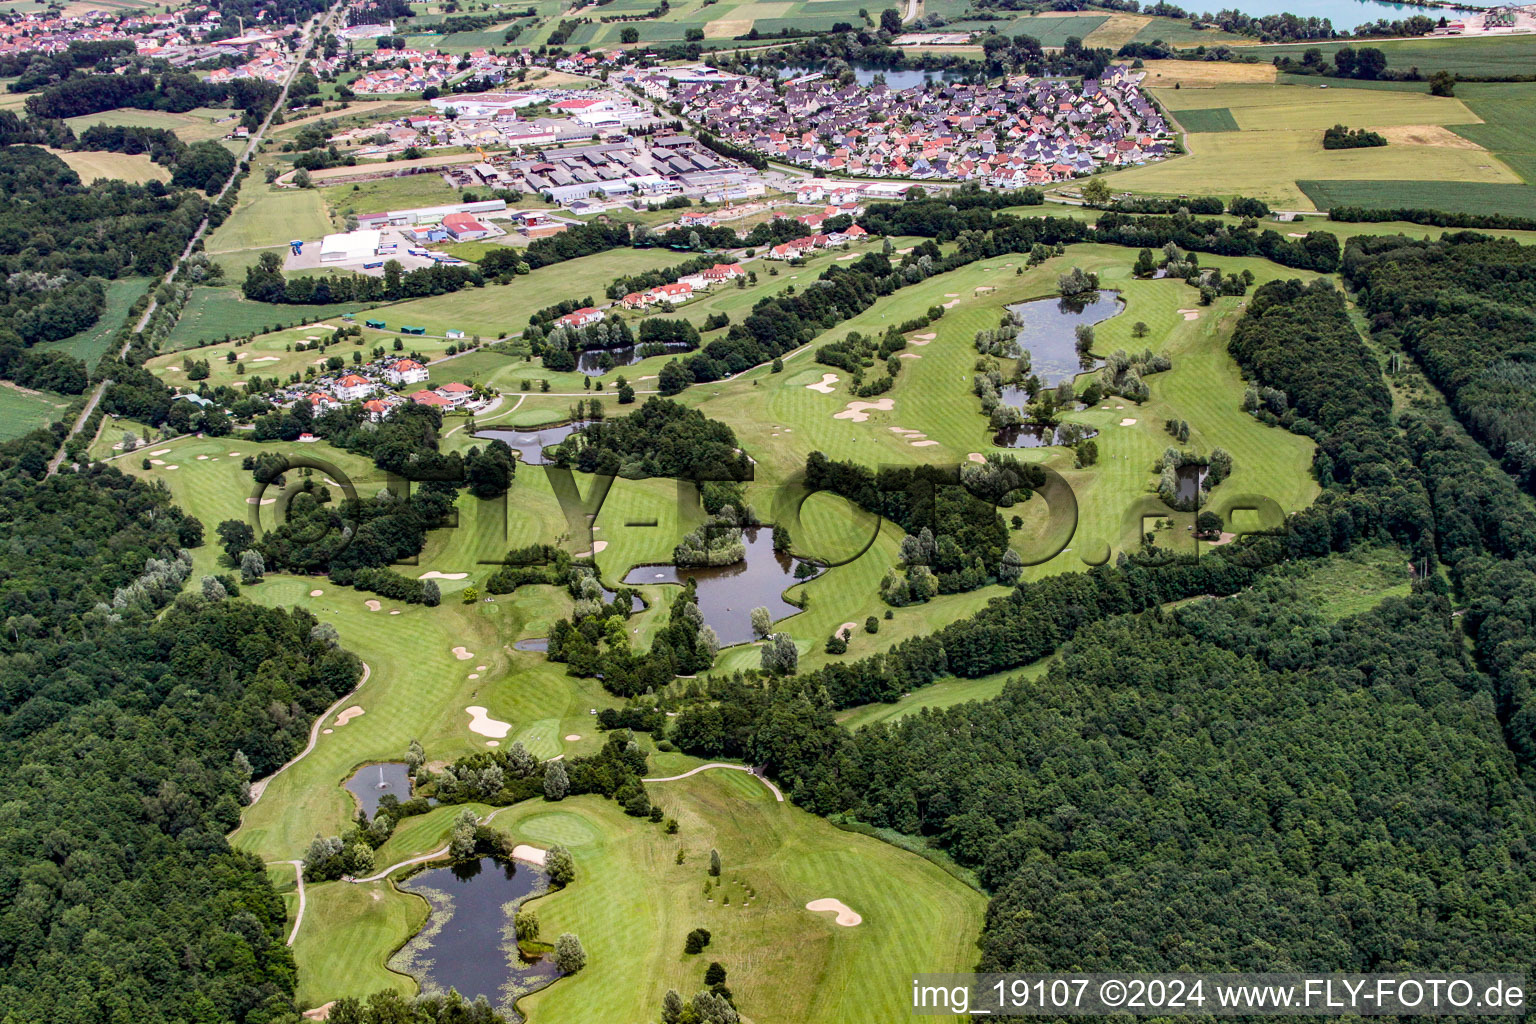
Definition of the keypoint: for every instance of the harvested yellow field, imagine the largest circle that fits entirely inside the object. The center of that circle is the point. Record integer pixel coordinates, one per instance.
(136, 168)
(1120, 29)
(1203, 74)
(1425, 135)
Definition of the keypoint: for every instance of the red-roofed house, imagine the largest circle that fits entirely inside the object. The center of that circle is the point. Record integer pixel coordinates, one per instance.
(376, 409)
(455, 392)
(406, 371)
(581, 317)
(425, 397)
(352, 387)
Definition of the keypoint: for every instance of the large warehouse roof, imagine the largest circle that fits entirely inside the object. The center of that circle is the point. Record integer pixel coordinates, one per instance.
(349, 246)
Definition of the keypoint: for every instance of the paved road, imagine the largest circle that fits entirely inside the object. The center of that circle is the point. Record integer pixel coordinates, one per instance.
(311, 31)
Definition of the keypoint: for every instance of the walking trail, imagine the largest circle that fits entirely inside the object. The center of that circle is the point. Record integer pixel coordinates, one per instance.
(298, 918)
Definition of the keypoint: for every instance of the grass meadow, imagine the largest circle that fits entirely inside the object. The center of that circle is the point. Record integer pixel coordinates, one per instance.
(136, 168)
(93, 343)
(23, 409)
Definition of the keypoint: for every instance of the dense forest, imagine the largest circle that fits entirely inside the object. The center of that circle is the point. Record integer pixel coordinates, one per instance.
(130, 737)
(661, 438)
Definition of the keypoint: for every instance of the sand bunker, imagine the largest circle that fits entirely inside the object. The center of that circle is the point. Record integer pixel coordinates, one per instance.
(157, 462)
(952, 303)
(493, 743)
(845, 916)
(572, 738)
(824, 385)
(858, 412)
(264, 359)
(847, 627)
(373, 606)
(395, 612)
(983, 289)
(479, 668)
(1294, 234)
(951, 295)
(263, 501)
(850, 256)
(977, 457)
(435, 575)
(316, 593)
(463, 654)
(922, 339)
(202, 458)
(485, 725)
(909, 355)
(924, 444)
(530, 854)
(1127, 422)
(172, 467)
(474, 675)
(159, 451)
(347, 715)
(234, 455)
(1190, 314)
(327, 732)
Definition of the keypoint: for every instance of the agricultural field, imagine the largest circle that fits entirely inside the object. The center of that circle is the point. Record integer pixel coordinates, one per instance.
(1279, 142)
(136, 168)
(268, 216)
(193, 126)
(1473, 55)
(214, 312)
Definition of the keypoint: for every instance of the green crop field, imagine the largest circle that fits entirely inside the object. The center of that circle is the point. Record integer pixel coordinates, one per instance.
(94, 342)
(1206, 119)
(1508, 130)
(1453, 196)
(214, 312)
(1476, 56)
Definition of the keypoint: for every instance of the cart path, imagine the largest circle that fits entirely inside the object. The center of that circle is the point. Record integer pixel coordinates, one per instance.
(260, 785)
(734, 767)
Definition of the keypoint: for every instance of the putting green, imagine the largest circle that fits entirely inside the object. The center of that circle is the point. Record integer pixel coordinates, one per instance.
(559, 827)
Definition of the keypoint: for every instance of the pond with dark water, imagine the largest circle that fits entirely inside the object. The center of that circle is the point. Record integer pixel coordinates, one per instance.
(1189, 477)
(530, 444)
(1030, 435)
(728, 593)
(595, 362)
(1048, 332)
(370, 783)
(468, 943)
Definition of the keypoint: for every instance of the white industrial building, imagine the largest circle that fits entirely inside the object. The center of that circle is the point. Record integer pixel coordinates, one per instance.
(349, 247)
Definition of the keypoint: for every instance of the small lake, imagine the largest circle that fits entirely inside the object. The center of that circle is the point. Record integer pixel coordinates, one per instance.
(1048, 332)
(595, 362)
(370, 783)
(535, 643)
(1345, 15)
(529, 444)
(898, 80)
(1028, 435)
(468, 943)
(728, 593)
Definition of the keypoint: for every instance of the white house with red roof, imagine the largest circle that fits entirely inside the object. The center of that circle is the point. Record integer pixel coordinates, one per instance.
(352, 387)
(406, 371)
(432, 398)
(581, 317)
(376, 409)
(456, 394)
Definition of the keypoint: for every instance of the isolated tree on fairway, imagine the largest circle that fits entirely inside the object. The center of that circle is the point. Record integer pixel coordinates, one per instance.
(715, 974)
(714, 863)
(234, 537)
(560, 865)
(556, 782)
(780, 654)
(431, 594)
(252, 567)
(569, 956)
(762, 622)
